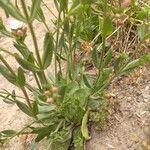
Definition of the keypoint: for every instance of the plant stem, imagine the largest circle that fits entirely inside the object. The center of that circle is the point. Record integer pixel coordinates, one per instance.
(7, 65)
(32, 32)
(49, 9)
(37, 81)
(13, 73)
(26, 96)
(6, 51)
(34, 40)
(18, 133)
(57, 40)
(16, 3)
(7, 93)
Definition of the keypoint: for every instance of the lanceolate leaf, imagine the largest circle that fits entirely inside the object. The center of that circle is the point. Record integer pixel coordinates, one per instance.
(34, 9)
(3, 30)
(96, 58)
(76, 10)
(23, 49)
(107, 27)
(135, 63)
(26, 64)
(87, 80)
(103, 79)
(6, 73)
(24, 108)
(8, 133)
(11, 9)
(119, 63)
(35, 108)
(40, 15)
(107, 59)
(21, 78)
(84, 127)
(48, 50)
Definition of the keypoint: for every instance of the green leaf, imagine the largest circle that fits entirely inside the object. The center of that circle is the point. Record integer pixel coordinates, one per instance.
(107, 59)
(24, 108)
(56, 5)
(48, 50)
(42, 133)
(21, 78)
(40, 15)
(35, 7)
(35, 108)
(87, 80)
(23, 49)
(46, 109)
(107, 27)
(63, 5)
(11, 9)
(96, 58)
(119, 63)
(8, 133)
(26, 64)
(84, 127)
(76, 10)
(3, 30)
(103, 79)
(136, 63)
(78, 140)
(142, 32)
(6, 73)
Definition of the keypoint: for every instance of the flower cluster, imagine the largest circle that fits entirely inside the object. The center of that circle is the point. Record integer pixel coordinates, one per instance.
(51, 94)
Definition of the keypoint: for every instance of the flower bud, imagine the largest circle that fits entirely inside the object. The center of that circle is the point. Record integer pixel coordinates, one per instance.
(54, 90)
(24, 29)
(50, 100)
(126, 3)
(20, 33)
(47, 93)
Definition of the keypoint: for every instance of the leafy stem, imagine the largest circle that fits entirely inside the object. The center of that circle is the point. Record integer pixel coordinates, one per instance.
(13, 73)
(34, 39)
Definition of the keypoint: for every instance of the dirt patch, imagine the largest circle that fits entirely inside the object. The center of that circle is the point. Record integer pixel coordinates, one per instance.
(130, 122)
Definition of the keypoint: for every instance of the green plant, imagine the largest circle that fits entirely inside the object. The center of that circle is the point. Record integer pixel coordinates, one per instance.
(65, 102)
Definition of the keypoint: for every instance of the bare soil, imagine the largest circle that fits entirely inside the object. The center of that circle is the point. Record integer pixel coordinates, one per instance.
(129, 125)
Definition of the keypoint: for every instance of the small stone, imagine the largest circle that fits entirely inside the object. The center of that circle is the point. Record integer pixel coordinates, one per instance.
(110, 146)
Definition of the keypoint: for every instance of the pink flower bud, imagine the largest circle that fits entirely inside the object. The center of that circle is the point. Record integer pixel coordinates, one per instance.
(20, 33)
(54, 90)
(50, 101)
(24, 29)
(126, 3)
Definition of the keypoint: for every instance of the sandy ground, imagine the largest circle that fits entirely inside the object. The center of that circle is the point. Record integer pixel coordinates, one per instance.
(128, 127)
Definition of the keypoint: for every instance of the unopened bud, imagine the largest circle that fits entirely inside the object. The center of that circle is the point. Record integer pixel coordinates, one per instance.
(54, 90)
(20, 33)
(24, 29)
(47, 93)
(126, 3)
(50, 100)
